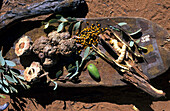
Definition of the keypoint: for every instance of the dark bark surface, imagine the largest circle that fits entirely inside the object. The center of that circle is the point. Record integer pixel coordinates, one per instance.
(42, 8)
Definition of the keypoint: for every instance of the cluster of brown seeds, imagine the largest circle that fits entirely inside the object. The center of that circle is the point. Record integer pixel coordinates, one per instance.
(89, 36)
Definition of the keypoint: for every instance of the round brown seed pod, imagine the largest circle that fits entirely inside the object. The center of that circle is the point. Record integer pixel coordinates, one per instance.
(33, 71)
(23, 46)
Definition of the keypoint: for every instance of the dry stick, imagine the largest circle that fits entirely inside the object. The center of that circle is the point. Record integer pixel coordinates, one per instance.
(143, 85)
(134, 79)
(42, 8)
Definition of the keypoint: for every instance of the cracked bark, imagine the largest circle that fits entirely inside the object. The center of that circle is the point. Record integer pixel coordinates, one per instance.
(42, 8)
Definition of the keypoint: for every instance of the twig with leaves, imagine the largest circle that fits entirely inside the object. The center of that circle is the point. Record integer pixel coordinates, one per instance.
(8, 76)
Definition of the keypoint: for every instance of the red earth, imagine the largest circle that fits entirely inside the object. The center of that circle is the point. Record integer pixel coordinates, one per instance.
(124, 100)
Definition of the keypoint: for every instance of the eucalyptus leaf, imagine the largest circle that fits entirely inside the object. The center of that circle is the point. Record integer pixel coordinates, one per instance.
(60, 27)
(72, 69)
(62, 19)
(2, 61)
(15, 80)
(53, 21)
(76, 26)
(70, 66)
(46, 25)
(77, 64)
(131, 44)
(114, 28)
(71, 19)
(10, 63)
(9, 78)
(2, 96)
(5, 82)
(21, 78)
(13, 89)
(6, 90)
(122, 23)
(58, 16)
(22, 84)
(28, 86)
(86, 52)
(55, 85)
(1, 70)
(137, 41)
(13, 73)
(58, 74)
(134, 33)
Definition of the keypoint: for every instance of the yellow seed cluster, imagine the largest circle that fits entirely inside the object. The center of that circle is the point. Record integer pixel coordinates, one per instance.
(89, 35)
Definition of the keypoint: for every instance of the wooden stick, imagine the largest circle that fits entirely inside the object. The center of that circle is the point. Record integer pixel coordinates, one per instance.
(42, 8)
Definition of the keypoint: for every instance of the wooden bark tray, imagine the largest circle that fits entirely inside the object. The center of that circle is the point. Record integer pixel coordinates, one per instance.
(152, 36)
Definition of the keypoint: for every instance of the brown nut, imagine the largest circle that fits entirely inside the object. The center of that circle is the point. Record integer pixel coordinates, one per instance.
(23, 46)
(67, 47)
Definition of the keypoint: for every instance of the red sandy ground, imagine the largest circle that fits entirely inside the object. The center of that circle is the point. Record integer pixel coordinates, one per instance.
(155, 10)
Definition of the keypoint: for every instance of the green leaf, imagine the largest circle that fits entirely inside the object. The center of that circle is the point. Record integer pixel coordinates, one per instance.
(6, 90)
(122, 23)
(70, 66)
(22, 84)
(9, 78)
(135, 32)
(15, 80)
(1, 70)
(77, 65)
(86, 52)
(5, 82)
(58, 16)
(114, 28)
(10, 63)
(55, 85)
(137, 41)
(72, 69)
(2, 96)
(61, 19)
(21, 78)
(76, 26)
(131, 44)
(53, 21)
(13, 89)
(13, 73)
(2, 61)
(28, 86)
(46, 25)
(58, 74)
(60, 27)
(71, 19)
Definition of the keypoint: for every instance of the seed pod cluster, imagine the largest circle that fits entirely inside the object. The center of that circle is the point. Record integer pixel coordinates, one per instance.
(89, 35)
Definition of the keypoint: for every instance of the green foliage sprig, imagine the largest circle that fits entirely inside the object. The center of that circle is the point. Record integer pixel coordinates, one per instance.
(75, 70)
(72, 22)
(9, 77)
